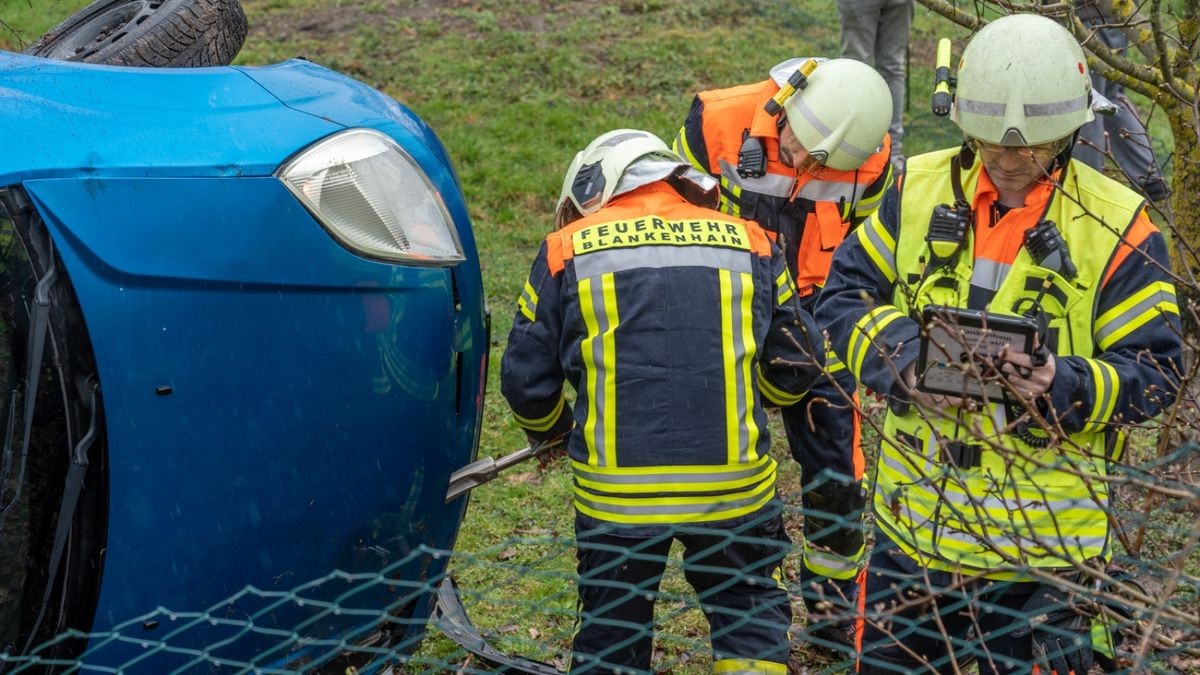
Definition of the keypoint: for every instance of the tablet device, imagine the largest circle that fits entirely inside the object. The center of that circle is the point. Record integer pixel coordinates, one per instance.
(960, 347)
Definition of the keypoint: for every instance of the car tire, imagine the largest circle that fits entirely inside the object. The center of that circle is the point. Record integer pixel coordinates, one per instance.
(68, 406)
(150, 33)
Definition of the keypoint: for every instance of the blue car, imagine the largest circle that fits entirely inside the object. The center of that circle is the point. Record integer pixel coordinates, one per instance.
(243, 343)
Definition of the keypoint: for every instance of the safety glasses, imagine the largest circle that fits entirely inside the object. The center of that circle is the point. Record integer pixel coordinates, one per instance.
(1041, 153)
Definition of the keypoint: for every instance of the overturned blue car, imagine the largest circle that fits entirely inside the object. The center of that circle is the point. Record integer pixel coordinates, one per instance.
(243, 345)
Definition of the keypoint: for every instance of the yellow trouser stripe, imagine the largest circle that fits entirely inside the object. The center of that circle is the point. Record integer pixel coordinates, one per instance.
(829, 564)
(749, 667)
(543, 423)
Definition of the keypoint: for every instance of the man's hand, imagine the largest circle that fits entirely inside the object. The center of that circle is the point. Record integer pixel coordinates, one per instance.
(1027, 379)
(924, 399)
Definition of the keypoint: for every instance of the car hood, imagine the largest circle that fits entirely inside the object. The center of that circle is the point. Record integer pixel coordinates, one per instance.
(64, 119)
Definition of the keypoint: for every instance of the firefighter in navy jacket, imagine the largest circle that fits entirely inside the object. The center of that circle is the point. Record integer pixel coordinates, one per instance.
(672, 322)
(808, 170)
(981, 503)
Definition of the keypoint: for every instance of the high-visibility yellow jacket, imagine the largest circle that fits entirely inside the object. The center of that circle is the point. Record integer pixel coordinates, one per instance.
(670, 321)
(1114, 329)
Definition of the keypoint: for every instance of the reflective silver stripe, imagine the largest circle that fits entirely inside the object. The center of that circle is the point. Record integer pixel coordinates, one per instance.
(660, 256)
(824, 562)
(1055, 108)
(772, 184)
(674, 475)
(994, 541)
(989, 274)
(738, 290)
(980, 107)
(707, 506)
(1013, 503)
(829, 191)
(1031, 109)
(1118, 322)
(906, 470)
(603, 325)
(826, 132)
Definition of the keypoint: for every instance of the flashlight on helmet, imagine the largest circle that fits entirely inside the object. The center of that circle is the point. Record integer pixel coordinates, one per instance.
(796, 82)
(942, 80)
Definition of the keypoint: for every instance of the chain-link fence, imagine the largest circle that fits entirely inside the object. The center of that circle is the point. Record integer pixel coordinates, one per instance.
(515, 606)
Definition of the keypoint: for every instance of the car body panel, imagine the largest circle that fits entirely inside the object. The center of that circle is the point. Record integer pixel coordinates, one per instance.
(277, 407)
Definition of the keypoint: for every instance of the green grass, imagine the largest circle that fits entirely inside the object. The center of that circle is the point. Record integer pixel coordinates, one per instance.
(514, 89)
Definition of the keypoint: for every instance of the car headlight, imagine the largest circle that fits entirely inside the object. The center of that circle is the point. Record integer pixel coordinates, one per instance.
(373, 198)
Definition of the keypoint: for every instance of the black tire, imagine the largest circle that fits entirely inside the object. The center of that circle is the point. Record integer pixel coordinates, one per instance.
(62, 417)
(153, 33)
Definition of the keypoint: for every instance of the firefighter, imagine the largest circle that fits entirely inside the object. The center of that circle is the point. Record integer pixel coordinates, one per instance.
(808, 171)
(991, 510)
(671, 321)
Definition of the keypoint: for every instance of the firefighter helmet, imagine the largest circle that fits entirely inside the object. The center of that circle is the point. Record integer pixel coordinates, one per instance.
(622, 160)
(1022, 80)
(842, 113)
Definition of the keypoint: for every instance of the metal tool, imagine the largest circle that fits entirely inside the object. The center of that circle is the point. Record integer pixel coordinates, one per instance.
(484, 470)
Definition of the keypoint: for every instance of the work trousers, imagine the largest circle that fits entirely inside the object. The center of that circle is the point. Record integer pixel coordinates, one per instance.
(922, 620)
(823, 439)
(876, 32)
(735, 573)
(1122, 134)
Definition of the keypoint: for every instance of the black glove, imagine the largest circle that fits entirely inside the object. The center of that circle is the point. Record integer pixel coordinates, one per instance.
(1061, 630)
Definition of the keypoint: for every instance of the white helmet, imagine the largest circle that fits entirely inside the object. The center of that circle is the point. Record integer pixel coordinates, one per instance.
(620, 161)
(842, 114)
(1022, 80)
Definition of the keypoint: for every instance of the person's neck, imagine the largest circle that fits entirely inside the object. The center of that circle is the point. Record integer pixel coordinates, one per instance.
(1013, 199)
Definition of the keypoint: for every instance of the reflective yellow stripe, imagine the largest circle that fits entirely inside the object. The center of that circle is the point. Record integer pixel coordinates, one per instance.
(730, 367)
(833, 362)
(665, 480)
(731, 195)
(826, 563)
(865, 330)
(749, 667)
(737, 350)
(880, 246)
(785, 287)
(589, 364)
(775, 394)
(543, 423)
(1134, 312)
(608, 287)
(528, 302)
(1106, 386)
(749, 350)
(634, 510)
(680, 146)
(599, 429)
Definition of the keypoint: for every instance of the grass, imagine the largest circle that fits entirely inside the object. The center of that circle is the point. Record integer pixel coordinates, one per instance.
(514, 89)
